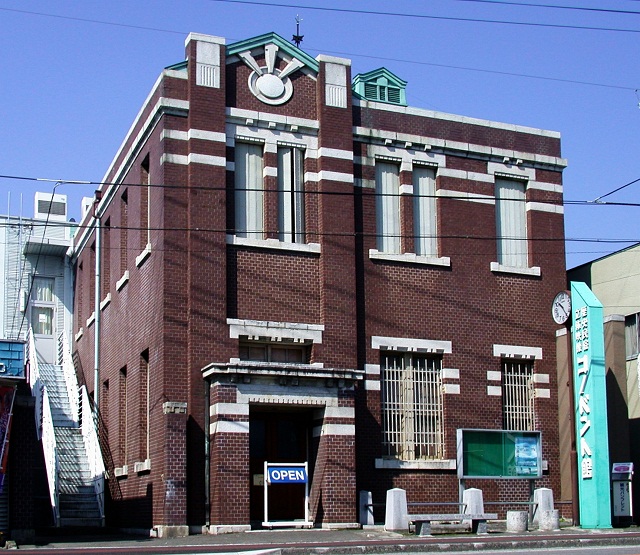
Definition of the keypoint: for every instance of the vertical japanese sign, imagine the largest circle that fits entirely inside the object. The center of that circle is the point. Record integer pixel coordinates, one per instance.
(590, 393)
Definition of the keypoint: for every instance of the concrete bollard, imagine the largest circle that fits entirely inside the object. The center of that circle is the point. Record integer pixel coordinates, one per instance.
(474, 503)
(543, 499)
(549, 520)
(517, 521)
(396, 517)
(366, 510)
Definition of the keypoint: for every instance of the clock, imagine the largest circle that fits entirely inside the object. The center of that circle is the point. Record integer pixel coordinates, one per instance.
(561, 307)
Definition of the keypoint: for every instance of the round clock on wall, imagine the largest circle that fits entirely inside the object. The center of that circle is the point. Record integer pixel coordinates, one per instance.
(561, 307)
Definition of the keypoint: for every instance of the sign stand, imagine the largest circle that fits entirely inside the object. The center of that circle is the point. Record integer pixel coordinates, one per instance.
(287, 473)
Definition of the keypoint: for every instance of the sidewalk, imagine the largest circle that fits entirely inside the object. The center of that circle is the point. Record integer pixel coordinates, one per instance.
(334, 542)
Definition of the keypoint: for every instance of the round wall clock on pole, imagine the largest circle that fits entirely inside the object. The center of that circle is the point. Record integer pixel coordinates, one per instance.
(561, 307)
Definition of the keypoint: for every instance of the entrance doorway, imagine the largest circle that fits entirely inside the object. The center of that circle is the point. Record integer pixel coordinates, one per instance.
(278, 435)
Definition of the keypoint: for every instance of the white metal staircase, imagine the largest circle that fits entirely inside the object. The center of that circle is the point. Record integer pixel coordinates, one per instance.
(65, 424)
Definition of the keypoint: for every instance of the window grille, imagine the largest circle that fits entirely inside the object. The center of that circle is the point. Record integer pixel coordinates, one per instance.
(518, 395)
(412, 408)
(632, 335)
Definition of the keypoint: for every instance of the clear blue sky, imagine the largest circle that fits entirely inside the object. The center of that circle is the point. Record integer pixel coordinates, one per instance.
(75, 73)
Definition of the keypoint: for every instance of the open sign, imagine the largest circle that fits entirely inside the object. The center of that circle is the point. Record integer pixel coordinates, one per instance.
(287, 475)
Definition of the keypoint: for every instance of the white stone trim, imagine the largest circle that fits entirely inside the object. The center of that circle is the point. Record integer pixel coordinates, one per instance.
(335, 176)
(517, 351)
(275, 330)
(323, 152)
(269, 171)
(499, 268)
(410, 344)
(494, 376)
(202, 135)
(511, 171)
(178, 159)
(333, 60)
(229, 427)
(465, 196)
(105, 302)
(451, 373)
(334, 430)
(543, 186)
(235, 409)
(79, 335)
(312, 248)
(146, 253)
(543, 393)
(411, 258)
(91, 319)
(544, 207)
(207, 160)
(318, 397)
(451, 389)
(339, 412)
(396, 464)
(372, 385)
(122, 281)
(266, 118)
(372, 369)
(494, 391)
(405, 189)
(562, 331)
(465, 175)
(541, 378)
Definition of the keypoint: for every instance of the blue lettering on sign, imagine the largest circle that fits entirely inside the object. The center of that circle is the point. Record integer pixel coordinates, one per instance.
(287, 475)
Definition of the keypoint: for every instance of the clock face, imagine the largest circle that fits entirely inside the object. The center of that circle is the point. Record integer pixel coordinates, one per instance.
(561, 307)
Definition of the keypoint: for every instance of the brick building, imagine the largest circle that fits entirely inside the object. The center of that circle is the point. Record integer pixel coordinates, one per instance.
(297, 266)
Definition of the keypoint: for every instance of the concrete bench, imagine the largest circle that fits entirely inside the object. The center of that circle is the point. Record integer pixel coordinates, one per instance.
(422, 523)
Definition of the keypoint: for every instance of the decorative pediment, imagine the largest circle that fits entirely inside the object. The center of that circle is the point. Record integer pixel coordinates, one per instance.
(380, 85)
(267, 82)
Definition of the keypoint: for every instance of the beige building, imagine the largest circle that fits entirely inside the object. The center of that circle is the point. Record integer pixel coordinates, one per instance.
(615, 280)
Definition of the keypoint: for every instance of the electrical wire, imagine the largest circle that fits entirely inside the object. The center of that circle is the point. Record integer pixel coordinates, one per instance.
(552, 6)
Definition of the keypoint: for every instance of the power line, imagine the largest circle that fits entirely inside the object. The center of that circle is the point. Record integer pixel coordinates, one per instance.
(596, 202)
(350, 54)
(573, 8)
(432, 17)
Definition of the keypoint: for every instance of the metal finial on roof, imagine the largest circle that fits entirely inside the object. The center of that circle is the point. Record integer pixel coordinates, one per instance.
(297, 38)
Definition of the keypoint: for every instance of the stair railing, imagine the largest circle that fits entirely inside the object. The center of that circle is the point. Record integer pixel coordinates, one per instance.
(69, 373)
(44, 426)
(92, 446)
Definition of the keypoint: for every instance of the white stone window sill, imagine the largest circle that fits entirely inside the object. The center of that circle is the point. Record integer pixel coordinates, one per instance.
(105, 302)
(533, 271)
(146, 253)
(411, 258)
(91, 319)
(273, 244)
(396, 464)
(79, 334)
(122, 281)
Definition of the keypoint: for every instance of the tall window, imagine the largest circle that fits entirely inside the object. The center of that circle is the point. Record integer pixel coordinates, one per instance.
(291, 195)
(123, 412)
(424, 211)
(518, 395)
(388, 207)
(124, 225)
(144, 405)
(42, 305)
(144, 203)
(412, 409)
(632, 334)
(249, 191)
(511, 223)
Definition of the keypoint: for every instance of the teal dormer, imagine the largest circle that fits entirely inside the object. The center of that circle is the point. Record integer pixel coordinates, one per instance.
(380, 85)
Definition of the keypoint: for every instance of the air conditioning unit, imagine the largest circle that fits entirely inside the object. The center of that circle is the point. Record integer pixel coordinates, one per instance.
(50, 207)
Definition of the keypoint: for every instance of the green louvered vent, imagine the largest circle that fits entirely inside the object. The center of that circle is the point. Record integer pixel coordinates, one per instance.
(380, 86)
(393, 95)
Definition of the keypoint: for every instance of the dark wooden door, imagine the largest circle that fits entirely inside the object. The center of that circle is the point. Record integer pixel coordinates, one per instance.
(277, 437)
